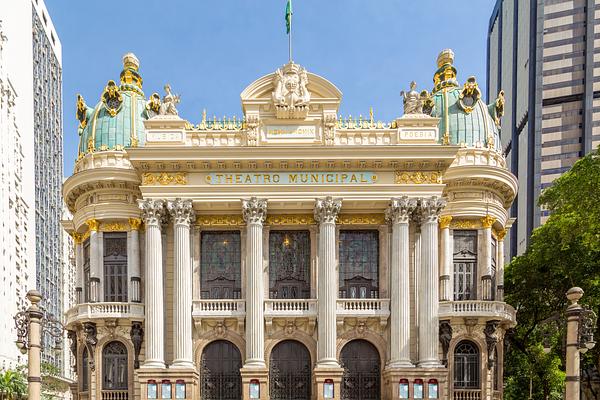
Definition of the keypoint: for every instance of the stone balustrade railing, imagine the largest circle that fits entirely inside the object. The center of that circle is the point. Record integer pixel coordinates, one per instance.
(219, 307)
(115, 395)
(290, 306)
(365, 308)
(91, 311)
(467, 394)
(478, 308)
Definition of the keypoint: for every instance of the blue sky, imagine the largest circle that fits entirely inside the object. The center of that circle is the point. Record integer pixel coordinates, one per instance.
(210, 50)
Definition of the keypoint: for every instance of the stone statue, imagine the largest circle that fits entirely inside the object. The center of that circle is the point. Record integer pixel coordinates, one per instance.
(137, 337)
(491, 339)
(90, 341)
(290, 87)
(169, 102)
(153, 105)
(412, 100)
(445, 338)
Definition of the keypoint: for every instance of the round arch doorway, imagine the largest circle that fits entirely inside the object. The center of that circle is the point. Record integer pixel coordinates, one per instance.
(220, 377)
(289, 371)
(362, 371)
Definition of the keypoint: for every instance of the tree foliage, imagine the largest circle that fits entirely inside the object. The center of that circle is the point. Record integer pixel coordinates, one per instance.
(13, 384)
(562, 253)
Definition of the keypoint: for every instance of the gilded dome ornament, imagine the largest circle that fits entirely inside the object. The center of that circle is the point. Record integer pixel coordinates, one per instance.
(470, 95)
(111, 98)
(153, 105)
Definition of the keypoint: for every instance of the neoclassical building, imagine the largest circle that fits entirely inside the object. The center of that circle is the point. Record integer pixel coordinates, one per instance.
(290, 253)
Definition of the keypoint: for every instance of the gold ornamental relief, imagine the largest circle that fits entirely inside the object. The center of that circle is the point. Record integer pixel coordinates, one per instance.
(487, 221)
(114, 227)
(135, 224)
(501, 233)
(418, 177)
(361, 219)
(465, 224)
(220, 220)
(291, 219)
(164, 178)
(445, 221)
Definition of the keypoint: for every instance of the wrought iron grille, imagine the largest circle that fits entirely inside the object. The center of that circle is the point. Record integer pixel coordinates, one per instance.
(289, 372)
(115, 266)
(114, 366)
(465, 262)
(289, 264)
(220, 377)
(359, 264)
(362, 371)
(220, 265)
(466, 366)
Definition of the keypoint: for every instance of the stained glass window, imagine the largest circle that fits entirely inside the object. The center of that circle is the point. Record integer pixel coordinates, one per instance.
(86, 271)
(359, 264)
(465, 262)
(220, 254)
(115, 266)
(289, 264)
(114, 366)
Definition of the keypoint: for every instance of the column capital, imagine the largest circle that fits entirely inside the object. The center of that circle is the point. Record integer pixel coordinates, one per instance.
(254, 210)
(488, 221)
(445, 221)
(501, 233)
(182, 211)
(327, 210)
(135, 223)
(153, 211)
(428, 209)
(399, 210)
(77, 237)
(93, 224)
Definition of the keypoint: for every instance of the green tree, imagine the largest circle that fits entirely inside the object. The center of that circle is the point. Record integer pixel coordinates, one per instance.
(13, 384)
(564, 252)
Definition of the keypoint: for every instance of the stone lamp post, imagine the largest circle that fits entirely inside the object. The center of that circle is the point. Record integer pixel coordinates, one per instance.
(30, 325)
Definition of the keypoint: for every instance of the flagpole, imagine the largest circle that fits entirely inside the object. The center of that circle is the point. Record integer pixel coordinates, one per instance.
(290, 40)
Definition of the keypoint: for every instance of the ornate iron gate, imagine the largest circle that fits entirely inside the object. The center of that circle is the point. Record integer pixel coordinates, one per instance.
(362, 371)
(289, 372)
(220, 374)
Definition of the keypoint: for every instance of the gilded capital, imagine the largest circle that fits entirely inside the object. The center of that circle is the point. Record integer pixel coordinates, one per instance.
(153, 211)
(399, 210)
(182, 211)
(77, 237)
(487, 221)
(93, 224)
(501, 233)
(445, 221)
(327, 210)
(135, 223)
(254, 210)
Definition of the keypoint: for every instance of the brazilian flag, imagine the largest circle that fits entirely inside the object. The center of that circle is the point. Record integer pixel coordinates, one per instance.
(288, 16)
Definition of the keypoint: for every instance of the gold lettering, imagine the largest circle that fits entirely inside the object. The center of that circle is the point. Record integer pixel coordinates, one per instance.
(314, 178)
(228, 178)
(344, 178)
(362, 178)
(267, 178)
(304, 178)
(293, 178)
(219, 176)
(353, 178)
(329, 178)
(238, 178)
(257, 178)
(248, 179)
(275, 178)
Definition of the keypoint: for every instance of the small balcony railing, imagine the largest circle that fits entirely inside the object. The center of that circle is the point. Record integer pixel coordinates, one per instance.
(467, 394)
(363, 308)
(290, 308)
(478, 308)
(115, 395)
(92, 311)
(219, 309)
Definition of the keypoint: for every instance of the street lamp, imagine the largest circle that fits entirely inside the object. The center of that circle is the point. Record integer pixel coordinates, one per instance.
(30, 325)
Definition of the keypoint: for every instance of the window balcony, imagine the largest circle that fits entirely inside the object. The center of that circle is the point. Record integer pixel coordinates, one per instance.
(291, 308)
(487, 310)
(115, 394)
(363, 308)
(88, 312)
(467, 394)
(219, 309)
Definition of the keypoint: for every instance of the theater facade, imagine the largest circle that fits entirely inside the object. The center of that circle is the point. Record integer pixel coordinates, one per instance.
(290, 253)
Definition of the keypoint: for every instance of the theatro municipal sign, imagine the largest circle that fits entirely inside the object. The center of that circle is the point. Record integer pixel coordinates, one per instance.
(291, 178)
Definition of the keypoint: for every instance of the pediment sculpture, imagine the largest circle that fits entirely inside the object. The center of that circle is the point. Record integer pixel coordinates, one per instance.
(291, 96)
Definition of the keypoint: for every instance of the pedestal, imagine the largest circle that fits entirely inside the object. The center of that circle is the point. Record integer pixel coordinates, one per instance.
(391, 381)
(321, 375)
(250, 375)
(158, 376)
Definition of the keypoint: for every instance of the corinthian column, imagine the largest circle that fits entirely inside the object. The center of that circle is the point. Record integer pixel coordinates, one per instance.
(486, 257)
(254, 212)
(429, 278)
(133, 259)
(446, 262)
(500, 264)
(326, 211)
(153, 212)
(182, 214)
(78, 268)
(95, 260)
(397, 215)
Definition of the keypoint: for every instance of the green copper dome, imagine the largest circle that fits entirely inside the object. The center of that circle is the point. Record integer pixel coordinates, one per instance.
(464, 118)
(116, 121)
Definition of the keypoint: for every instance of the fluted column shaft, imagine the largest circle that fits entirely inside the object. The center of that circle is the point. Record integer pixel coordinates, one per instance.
(397, 215)
(429, 290)
(153, 212)
(486, 257)
(500, 264)
(133, 260)
(326, 211)
(446, 261)
(78, 268)
(254, 212)
(182, 214)
(95, 261)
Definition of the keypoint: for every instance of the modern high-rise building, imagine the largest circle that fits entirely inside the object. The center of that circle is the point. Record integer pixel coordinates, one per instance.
(545, 55)
(31, 109)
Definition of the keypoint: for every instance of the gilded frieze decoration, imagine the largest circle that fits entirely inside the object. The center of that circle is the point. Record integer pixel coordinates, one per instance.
(220, 220)
(418, 177)
(291, 219)
(114, 227)
(465, 224)
(164, 178)
(361, 219)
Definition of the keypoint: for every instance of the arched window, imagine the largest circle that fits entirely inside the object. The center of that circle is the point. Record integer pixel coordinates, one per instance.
(220, 376)
(85, 373)
(114, 367)
(466, 366)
